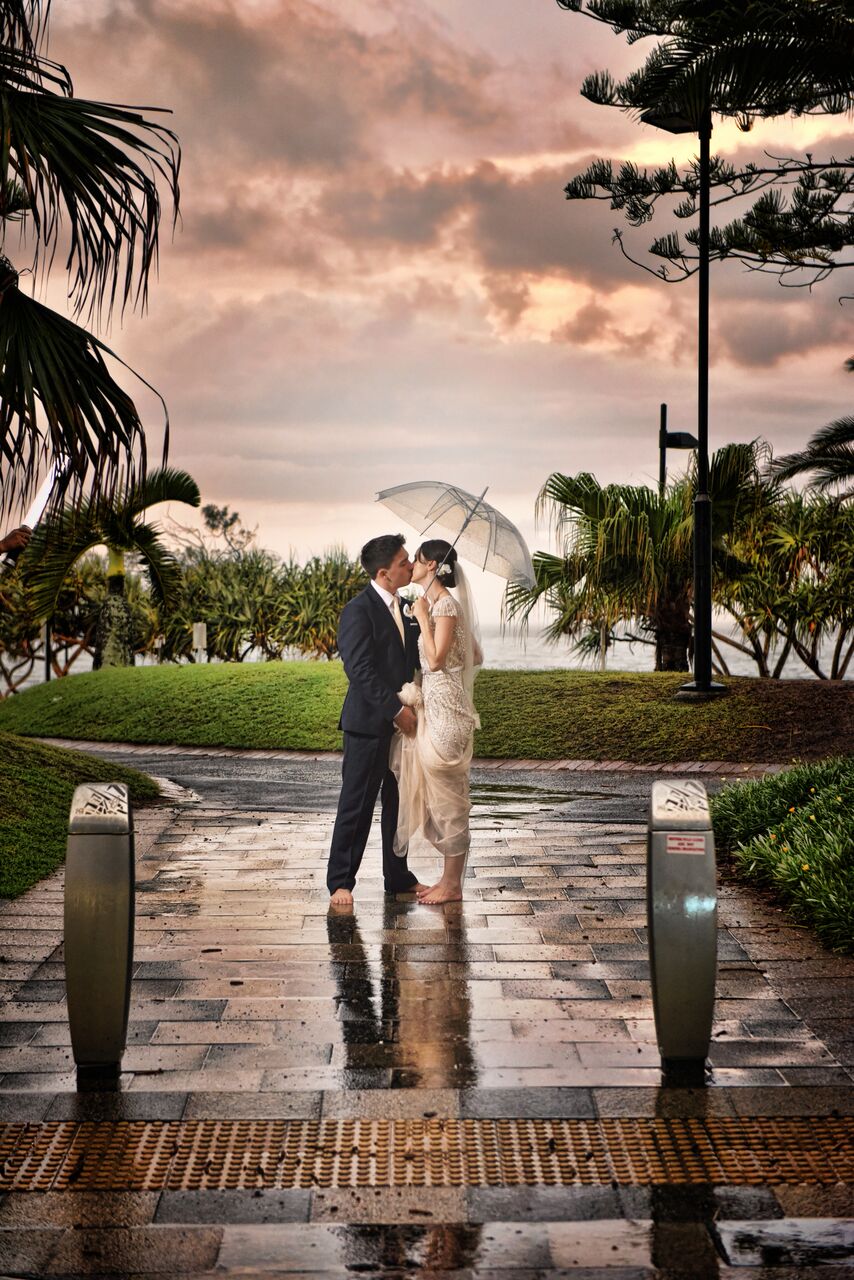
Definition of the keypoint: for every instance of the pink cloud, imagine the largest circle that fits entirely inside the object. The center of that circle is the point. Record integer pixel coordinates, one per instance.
(373, 212)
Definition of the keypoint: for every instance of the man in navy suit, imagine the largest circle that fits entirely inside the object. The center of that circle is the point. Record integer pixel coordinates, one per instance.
(379, 649)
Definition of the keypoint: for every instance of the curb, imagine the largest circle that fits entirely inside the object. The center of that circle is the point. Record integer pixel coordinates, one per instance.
(481, 762)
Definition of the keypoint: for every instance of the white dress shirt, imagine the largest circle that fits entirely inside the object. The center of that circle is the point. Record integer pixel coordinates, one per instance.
(388, 598)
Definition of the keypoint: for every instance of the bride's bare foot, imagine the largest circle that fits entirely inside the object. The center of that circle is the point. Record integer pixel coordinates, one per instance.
(444, 891)
(341, 898)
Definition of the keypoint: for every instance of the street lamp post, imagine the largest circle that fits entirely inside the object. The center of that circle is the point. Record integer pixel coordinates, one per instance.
(670, 440)
(702, 686)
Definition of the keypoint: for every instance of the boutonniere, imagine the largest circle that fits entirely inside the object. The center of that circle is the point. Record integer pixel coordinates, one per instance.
(409, 595)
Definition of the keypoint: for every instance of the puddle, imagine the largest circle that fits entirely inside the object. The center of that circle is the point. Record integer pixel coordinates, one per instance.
(515, 800)
(790, 1243)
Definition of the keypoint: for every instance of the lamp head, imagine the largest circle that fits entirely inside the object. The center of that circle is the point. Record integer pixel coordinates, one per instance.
(681, 440)
(672, 121)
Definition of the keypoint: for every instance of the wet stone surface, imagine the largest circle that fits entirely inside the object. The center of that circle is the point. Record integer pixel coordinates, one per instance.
(531, 999)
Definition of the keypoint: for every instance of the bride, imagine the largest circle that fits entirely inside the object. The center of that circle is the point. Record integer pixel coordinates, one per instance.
(432, 767)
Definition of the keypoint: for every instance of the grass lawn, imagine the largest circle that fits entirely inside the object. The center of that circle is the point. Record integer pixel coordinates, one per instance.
(36, 785)
(529, 714)
(793, 833)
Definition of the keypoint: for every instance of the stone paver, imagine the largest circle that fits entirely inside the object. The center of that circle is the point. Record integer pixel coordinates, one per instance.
(528, 1002)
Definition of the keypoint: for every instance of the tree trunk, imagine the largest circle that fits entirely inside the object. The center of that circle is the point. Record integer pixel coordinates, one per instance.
(672, 626)
(114, 634)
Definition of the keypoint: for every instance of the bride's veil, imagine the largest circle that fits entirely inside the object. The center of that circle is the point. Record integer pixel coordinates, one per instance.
(474, 648)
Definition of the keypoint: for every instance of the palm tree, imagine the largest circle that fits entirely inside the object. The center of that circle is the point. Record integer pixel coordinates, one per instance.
(238, 597)
(627, 553)
(313, 596)
(89, 172)
(252, 602)
(829, 455)
(60, 543)
(796, 592)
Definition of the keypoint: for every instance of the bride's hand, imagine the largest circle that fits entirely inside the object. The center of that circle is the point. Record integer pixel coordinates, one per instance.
(421, 611)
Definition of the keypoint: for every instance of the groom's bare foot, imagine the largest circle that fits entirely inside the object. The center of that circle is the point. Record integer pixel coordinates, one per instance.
(440, 893)
(341, 898)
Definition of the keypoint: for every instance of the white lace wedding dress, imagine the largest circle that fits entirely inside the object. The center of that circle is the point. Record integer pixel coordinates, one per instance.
(433, 767)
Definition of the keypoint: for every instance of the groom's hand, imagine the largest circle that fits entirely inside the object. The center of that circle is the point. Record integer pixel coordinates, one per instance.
(406, 721)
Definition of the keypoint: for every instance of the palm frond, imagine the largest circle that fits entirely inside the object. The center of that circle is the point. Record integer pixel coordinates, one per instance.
(163, 569)
(549, 572)
(55, 548)
(829, 455)
(22, 22)
(14, 202)
(58, 398)
(564, 494)
(62, 539)
(95, 165)
(735, 483)
(166, 484)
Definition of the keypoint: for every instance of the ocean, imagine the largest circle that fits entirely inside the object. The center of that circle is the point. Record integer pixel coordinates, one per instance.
(504, 650)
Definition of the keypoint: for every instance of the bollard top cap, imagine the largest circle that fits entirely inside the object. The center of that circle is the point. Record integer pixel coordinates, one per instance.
(679, 806)
(102, 807)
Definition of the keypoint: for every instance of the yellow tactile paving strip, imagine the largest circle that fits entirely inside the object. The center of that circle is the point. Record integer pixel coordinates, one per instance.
(231, 1154)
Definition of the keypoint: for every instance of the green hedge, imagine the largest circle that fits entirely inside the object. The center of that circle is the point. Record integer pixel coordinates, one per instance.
(794, 833)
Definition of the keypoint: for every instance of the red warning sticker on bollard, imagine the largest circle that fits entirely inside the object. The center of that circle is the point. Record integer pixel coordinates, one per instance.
(685, 842)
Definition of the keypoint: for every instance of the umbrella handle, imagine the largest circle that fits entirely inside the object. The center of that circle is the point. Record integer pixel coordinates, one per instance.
(466, 524)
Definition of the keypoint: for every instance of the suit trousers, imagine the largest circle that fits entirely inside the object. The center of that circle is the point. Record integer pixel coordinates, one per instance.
(364, 773)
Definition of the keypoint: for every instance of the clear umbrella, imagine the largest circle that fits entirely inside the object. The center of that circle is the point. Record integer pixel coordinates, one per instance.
(479, 532)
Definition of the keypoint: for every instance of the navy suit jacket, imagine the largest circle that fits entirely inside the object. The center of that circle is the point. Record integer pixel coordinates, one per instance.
(376, 662)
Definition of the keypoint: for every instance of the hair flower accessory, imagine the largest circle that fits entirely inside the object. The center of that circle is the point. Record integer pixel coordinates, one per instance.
(444, 571)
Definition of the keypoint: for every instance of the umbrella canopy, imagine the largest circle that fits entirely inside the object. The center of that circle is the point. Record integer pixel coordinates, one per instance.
(480, 533)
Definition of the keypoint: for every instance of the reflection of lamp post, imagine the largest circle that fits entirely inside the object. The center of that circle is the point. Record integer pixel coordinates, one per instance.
(670, 440)
(702, 686)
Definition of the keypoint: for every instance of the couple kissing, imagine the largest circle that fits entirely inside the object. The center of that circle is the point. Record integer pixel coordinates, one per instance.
(408, 719)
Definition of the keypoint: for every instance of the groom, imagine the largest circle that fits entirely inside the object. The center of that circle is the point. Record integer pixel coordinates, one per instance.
(379, 648)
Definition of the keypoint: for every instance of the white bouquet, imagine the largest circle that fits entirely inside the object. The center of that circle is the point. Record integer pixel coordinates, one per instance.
(410, 695)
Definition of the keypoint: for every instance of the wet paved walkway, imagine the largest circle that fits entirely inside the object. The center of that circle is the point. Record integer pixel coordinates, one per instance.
(407, 1090)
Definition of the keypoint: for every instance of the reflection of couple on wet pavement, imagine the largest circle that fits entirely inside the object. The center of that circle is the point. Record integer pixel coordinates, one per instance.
(408, 719)
(405, 1022)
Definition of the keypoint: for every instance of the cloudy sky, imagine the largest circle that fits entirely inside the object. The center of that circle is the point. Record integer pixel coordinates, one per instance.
(378, 279)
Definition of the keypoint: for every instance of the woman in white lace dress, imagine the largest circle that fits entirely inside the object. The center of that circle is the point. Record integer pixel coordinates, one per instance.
(433, 766)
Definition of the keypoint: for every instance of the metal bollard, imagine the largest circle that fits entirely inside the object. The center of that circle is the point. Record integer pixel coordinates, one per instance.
(99, 923)
(681, 897)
